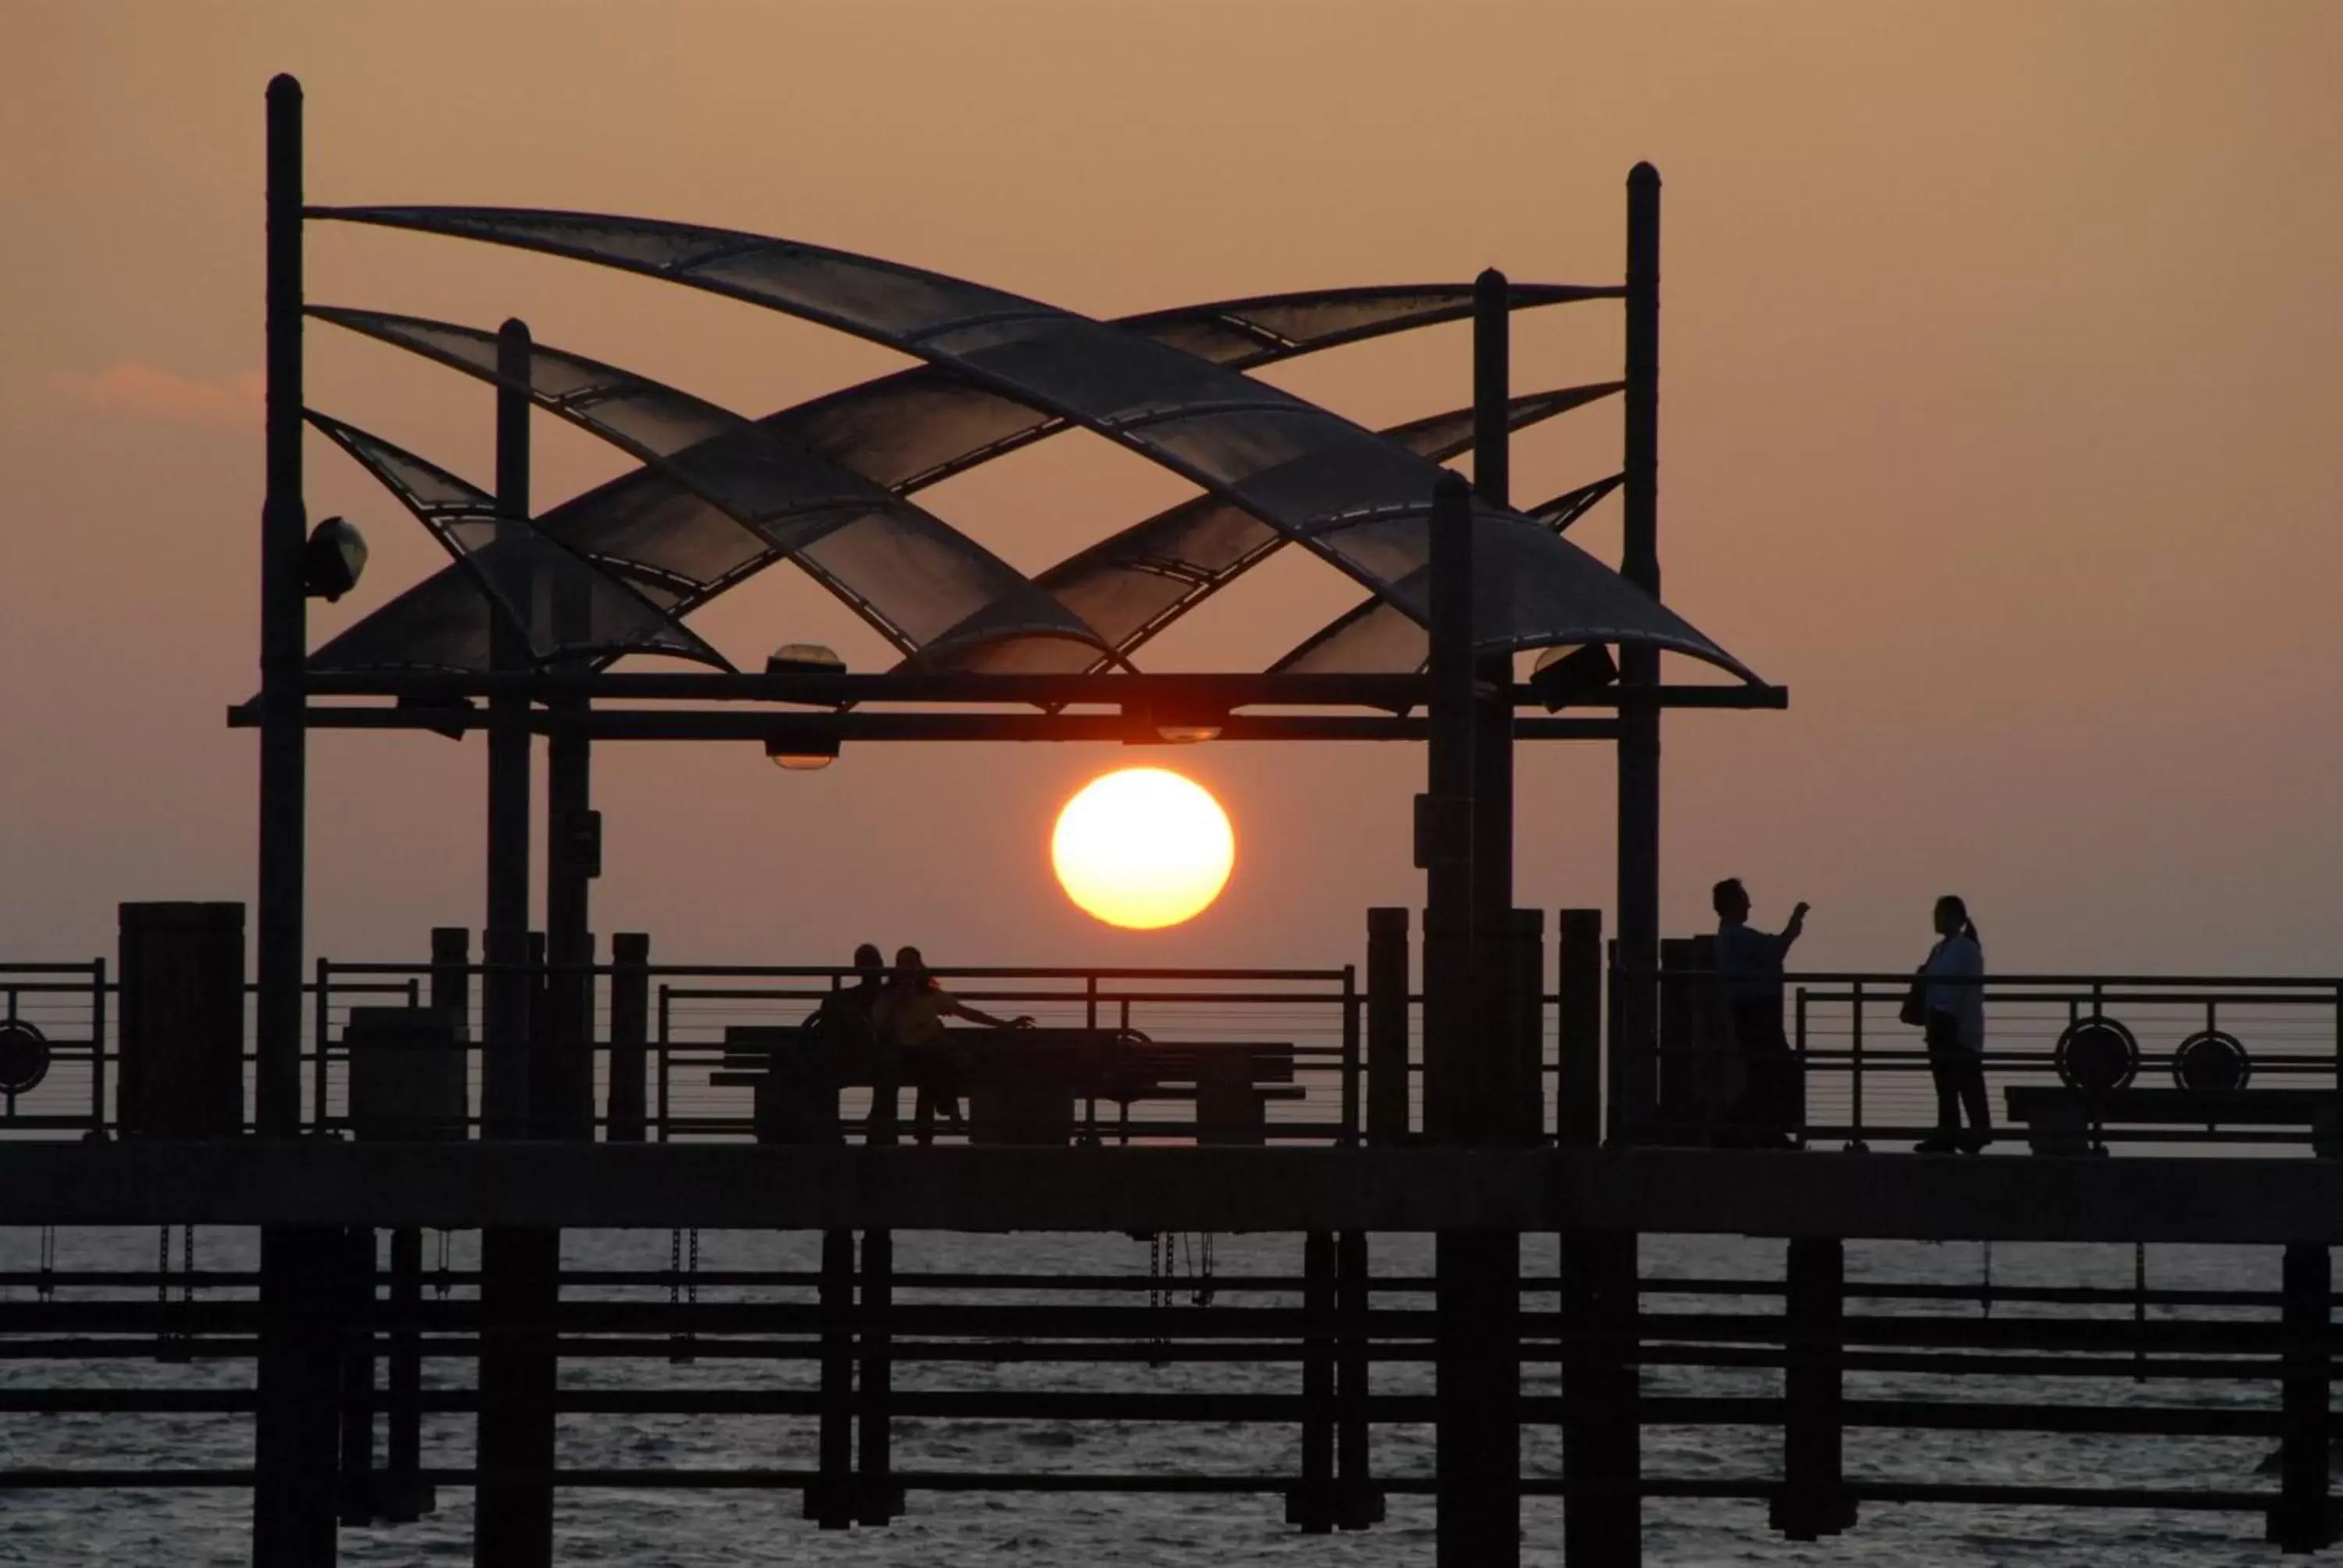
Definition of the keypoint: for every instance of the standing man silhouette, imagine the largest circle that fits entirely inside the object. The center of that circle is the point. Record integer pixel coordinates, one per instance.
(1750, 962)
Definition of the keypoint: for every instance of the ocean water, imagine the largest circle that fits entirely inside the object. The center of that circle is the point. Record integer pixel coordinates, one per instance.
(690, 1529)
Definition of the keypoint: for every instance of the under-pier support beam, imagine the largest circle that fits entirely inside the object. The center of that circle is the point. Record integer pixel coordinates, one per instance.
(297, 1428)
(1813, 1502)
(879, 1499)
(2305, 1518)
(1602, 1455)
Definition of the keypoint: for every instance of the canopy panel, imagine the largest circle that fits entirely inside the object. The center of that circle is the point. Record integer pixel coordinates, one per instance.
(1131, 587)
(564, 607)
(912, 575)
(1361, 502)
(1376, 638)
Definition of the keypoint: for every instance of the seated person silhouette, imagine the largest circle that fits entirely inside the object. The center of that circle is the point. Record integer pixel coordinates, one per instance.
(909, 1016)
(842, 1035)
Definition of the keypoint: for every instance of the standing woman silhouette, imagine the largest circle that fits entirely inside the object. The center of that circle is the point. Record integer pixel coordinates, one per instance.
(1953, 977)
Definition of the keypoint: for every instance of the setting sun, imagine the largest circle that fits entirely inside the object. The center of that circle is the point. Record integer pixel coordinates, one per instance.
(1143, 847)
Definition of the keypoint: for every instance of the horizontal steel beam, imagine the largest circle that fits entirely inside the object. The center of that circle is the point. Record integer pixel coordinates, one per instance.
(465, 1186)
(1212, 692)
(865, 727)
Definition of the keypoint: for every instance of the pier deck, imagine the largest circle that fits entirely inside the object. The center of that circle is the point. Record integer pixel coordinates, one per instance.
(466, 1186)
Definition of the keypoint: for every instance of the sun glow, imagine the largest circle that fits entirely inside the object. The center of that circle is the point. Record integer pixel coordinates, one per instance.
(1142, 848)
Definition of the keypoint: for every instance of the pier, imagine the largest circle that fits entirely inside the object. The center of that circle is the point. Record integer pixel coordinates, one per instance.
(1486, 1071)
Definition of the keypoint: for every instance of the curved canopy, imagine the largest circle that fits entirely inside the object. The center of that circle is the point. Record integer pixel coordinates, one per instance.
(564, 607)
(1374, 637)
(1358, 501)
(920, 581)
(918, 427)
(1132, 586)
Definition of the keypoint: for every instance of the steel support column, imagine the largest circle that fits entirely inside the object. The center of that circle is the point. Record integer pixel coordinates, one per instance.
(519, 1269)
(1634, 1034)
(505, 1046)
(294, 1446)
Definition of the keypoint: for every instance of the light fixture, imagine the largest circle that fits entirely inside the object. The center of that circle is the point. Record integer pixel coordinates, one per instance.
(333, 559)
(799, 744)
(1570, 673)
(804, 659)
(1171, 723)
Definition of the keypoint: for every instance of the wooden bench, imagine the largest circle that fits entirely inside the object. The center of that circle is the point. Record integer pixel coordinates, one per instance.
(2063, 1121)
(1023, 1085)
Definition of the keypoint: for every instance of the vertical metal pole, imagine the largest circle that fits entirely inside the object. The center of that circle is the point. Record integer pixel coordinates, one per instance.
(1444, 821)
(506, 945)
(1493, 753)
(284, 640)
(1639, 672)
(519, 1269)
(293, 1447)
(570, 863)
(1500, 1050)
(1477, 1484)
(630, 1006)
(1386, 1027)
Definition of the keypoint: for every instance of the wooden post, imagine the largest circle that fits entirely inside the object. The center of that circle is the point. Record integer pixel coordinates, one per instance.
(1359, 1502)
(512, 1525)
(631, 1015)
(356, 1492)
(1311, 1504)
(180, 1035)
(296, 1431)
(829, 1501)
(877, 1499)
(1601, 1438)
(1387, 1030)
(2304, 1518)
(1524, 1085)
(1578, 1047)
(1813, 1502)
(403, 1494)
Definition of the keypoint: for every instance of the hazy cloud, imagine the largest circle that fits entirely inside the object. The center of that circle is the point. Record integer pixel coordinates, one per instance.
(145, 392)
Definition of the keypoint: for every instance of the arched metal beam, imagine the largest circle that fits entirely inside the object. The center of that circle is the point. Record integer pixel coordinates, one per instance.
(1359, 502)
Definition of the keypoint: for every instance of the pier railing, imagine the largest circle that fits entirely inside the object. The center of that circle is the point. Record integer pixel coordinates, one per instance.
(2072, 1063)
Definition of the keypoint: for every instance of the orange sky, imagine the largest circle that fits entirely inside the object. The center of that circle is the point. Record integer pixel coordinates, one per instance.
(2002, 359)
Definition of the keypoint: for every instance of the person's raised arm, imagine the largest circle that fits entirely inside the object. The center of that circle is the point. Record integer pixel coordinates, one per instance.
(1795, 929)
